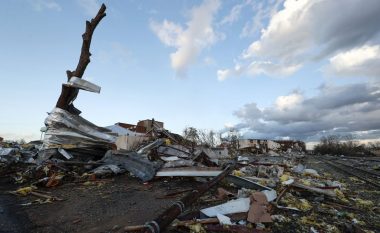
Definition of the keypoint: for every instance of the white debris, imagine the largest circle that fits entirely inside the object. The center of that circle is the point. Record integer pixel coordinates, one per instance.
(270, 194)
(224, 220)
(288, 182)
(299, 168)
(310, 172)
(235, 206)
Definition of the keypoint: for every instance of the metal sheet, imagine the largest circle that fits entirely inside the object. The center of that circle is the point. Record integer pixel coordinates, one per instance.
(83, 84)
(189, 171)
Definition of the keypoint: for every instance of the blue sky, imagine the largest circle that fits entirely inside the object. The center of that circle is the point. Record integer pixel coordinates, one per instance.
(268, 68)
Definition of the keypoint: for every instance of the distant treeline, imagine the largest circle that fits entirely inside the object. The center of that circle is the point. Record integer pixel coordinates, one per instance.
(344, 145)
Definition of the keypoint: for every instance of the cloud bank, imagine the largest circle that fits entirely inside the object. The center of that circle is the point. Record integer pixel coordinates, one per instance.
(348, 109)
(308, 31)
(357, 62)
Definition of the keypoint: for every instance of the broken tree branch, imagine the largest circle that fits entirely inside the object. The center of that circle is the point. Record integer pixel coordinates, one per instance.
(69, 94)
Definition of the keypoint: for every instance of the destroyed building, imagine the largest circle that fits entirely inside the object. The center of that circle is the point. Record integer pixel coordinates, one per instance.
(131, 136)
(142, 127)
(261, 146)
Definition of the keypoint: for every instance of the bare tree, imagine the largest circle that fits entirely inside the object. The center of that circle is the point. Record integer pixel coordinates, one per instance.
(191, 134)
(207, 138)
(232, 141)
(340, 145)
(69, 94)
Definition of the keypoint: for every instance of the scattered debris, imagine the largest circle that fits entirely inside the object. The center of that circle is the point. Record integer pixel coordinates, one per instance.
(261, 181)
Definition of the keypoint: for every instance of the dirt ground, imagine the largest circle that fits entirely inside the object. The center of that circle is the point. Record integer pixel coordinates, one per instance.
(108, 205)
(104, 206)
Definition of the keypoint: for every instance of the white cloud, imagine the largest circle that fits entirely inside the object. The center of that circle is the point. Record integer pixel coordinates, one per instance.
(257, 68)
(91, 7)
(226, 73)
(309, 30)
(287, 102)
(362, 61)
(271, 69)
(233, 15)
(228, 125)
(168, 32)
(40, 5)
(190, 41)
(262, 12)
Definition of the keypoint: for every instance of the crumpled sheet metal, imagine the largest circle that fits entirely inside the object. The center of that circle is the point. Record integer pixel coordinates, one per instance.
(69, 131)
(150, 146)
(173, 151)
(133, 162)
(8, 155)
(8, 151)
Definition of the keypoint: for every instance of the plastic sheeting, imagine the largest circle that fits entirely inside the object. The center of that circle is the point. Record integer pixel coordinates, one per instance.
(69, 131)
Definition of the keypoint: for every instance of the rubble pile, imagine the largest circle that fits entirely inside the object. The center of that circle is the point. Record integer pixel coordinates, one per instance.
(258, 193)
(264, 186)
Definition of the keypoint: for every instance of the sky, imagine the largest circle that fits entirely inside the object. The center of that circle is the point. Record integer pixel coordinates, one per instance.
(269, 69)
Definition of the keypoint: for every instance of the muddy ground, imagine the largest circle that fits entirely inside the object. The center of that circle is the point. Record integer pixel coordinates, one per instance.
(109, 204)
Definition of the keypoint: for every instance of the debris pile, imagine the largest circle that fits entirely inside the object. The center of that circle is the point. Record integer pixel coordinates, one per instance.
(264, 186)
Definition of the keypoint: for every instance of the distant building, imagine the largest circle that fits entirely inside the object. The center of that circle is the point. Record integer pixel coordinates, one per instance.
(150, 124)
(292, 144)
(130, 136)
(264, 146)
(144, 126)
(220, 152)
(133, 128)
(251, 143)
